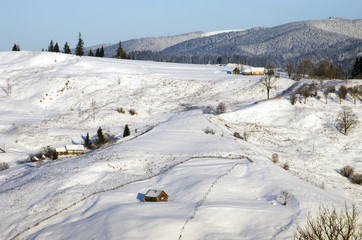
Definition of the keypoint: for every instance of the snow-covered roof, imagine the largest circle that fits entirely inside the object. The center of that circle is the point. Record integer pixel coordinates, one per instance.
(153, 193)
(257, 69)
(253, 69)
(60, 149)
(74, 147)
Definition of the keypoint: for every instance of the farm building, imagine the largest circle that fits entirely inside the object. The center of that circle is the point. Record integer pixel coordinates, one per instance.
(253, 71)
(61, 151)
(153, 195)
(236, 71)
(70, 150)
(74, 149)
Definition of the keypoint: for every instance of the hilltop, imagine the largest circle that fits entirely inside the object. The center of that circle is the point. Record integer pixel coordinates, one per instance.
(219, 186)
(337, 40)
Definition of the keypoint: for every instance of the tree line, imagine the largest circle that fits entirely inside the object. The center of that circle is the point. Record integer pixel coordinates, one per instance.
(79, 49)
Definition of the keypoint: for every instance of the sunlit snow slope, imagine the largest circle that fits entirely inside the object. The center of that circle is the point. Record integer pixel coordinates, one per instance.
(219, 186)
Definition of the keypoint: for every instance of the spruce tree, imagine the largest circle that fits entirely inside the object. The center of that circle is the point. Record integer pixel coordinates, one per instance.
(51, 46)
(100, 135)
(126, 131)
(121, 54)
(97, 52)
(16, 47)
(66, 48)
(90, 53)
(79, 49)
(87, 142)
(101, 52)
(56, 47)
(357, 68)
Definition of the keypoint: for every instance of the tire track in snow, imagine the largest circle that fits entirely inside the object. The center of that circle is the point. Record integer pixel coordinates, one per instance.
(162, 171)
(202, 201)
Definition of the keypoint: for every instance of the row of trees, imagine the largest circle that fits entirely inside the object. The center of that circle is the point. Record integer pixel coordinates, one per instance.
(99, 52)
(324, 69)
(102, 138)
(79, 49)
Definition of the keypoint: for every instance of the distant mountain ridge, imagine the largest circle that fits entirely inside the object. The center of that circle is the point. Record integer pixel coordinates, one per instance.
(338, 40)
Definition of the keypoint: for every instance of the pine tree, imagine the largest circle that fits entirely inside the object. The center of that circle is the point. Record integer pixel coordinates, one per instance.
(87, 142)
(121, 54)
(56, 47)
(90, 54)
(119, 51)
(66, 48)
(100, 135)
(357, 68)
(16, 47)
(101, 52)
(51, 46)
(79, 49)
(97, 52)
(126, 131)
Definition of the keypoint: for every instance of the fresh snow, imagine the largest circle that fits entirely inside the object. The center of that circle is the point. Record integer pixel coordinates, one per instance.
(219, 186)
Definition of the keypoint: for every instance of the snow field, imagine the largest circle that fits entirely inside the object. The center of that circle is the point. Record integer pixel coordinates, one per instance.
(214, 191)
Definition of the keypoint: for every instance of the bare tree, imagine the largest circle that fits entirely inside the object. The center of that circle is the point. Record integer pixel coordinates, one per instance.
(330, 224)
(326, 93)
(269, 82)
(342, 93)
(346, 120)
(285, 195)
(354, 92)
(290, 70)
(305, 67)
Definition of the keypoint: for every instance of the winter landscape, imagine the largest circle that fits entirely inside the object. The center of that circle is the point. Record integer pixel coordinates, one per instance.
(250, 155)
(220, 185)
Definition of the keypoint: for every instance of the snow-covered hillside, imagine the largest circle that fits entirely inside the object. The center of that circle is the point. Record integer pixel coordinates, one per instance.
(153, 44)
(219, 186)
(337, 40)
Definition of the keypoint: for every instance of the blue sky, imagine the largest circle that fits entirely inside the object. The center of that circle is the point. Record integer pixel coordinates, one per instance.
(33, 23)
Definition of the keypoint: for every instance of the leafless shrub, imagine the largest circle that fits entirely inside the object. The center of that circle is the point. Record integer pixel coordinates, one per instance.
(330, 224)
(275, 158)
(221, 108)
(347, 171)
(120, 110)
(356, 178)
(305, 92)
(209, 130)
(285, 195)
(237, 135)
(4, 166)
(246, 136)
(286, 166)
(293, 99)
(132, 112)
(208, 110)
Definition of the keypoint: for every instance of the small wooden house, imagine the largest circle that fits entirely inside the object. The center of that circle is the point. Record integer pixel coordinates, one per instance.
(236, 71)
(153, 195)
